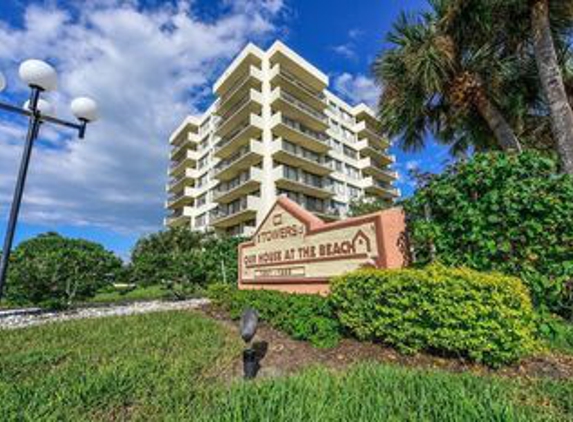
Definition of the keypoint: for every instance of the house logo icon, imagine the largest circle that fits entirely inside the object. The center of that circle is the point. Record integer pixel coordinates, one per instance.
(360, 241)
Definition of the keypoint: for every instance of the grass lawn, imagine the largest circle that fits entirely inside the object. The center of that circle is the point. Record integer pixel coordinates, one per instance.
(165, 366)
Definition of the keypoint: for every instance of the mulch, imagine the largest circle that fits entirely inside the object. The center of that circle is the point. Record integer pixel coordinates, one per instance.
(281, 355)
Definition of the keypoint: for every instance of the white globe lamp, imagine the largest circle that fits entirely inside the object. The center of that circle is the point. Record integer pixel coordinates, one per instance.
(39, 74)
(85, 109)
(45, 107)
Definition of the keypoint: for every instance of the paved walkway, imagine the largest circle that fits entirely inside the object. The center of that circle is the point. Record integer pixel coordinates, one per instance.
(20, 318)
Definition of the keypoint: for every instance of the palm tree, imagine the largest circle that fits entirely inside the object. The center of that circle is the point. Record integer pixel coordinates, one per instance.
(432, 84)
(551, 75)
(537, 29)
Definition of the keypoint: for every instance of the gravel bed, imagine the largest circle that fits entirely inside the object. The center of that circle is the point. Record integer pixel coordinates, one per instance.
(20, 318)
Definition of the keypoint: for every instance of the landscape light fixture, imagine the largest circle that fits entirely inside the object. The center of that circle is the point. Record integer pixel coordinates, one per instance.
(40, 77)
(249, 324)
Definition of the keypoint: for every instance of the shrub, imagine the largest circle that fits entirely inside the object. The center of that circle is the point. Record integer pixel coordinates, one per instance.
(184, 261)
(303, 317)
(54, 271)
(508, 213)
(485, 317)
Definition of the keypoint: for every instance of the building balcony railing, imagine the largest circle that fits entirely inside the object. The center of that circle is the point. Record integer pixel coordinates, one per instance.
(246, 156)
(245, 79)
(293, 79)
(297, 156)
(295, 102)
(244, 183)
(226, 215)
(300, 181)
(293, 124)
(252, 103)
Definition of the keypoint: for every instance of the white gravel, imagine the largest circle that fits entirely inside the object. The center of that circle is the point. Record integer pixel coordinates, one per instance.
(20, 318)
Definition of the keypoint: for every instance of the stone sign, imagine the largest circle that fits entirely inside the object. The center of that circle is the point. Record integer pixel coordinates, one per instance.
(295, 251)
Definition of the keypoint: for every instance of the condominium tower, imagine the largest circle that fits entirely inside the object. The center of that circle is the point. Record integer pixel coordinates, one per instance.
(274, 129)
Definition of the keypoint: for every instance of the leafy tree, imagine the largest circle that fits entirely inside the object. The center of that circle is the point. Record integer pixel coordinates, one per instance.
(501, 212)
(367, 205)
(54, 271)
(183, 260)
(167, 256)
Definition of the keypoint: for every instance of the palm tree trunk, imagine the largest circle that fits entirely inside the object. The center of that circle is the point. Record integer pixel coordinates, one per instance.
(552, 83)
(498, 125)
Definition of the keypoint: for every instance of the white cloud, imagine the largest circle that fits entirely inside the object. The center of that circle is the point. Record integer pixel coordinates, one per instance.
(147, 69)
(345, 50)
(357, 88)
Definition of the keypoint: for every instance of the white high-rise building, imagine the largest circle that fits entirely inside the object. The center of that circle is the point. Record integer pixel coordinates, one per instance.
(275, 129)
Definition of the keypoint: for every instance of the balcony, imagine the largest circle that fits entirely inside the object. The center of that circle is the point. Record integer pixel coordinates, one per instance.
(178, 151)
(239, 211)
(372, 168)
(293, 131)
(246, 182)
(368, 150)
(187, 130)
(180, 199)
(296, 109)
(299, 68)
(252, 79)
(250, 128)
(244, 158)
(380, 189)
(298, 181)
(188, 161)
(296, 156)
(179, 218)
(245, 62)
(284, 79)
(251, 103)
(365, 131)
(186, 179)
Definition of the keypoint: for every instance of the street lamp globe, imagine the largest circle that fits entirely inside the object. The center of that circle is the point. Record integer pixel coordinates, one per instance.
(85, 109)
(39, 74)
(2, 82)
(45, 107)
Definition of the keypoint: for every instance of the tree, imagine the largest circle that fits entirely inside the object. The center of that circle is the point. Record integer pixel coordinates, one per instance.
(550, 73)
(184, 261)
(54, 271)
(367, 205)
(502, 212)
(540, 30)
(432, 84)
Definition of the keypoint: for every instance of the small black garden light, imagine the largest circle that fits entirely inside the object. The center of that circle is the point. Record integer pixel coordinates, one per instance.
(40, 77)
(249, 323)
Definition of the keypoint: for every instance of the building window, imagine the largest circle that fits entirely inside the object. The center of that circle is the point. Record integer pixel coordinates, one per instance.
(201, 220)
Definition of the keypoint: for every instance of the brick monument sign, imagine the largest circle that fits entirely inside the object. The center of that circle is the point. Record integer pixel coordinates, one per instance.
(295, 251)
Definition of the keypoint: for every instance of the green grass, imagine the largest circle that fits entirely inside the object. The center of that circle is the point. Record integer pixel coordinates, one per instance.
(135, 295)
(144, 367)
(163, 366)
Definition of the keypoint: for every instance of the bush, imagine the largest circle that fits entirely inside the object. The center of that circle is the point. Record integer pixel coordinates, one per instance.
(53, 271)
(508, 213)
(184, 261)
(487, 318)
(303, 317)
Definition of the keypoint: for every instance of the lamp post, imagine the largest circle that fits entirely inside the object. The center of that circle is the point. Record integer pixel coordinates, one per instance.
(40, 77)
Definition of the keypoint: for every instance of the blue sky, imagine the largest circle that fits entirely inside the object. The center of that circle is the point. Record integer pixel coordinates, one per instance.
(149, 63)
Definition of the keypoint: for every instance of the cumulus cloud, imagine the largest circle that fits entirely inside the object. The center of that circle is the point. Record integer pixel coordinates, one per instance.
(147, 68)
(357, 88)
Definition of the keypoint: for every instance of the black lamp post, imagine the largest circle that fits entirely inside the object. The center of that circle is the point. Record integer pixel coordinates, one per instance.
(40, 77)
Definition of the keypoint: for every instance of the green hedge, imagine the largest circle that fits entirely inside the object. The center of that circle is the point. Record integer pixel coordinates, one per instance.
(487, 318)
(303, 317)
(511, 213)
